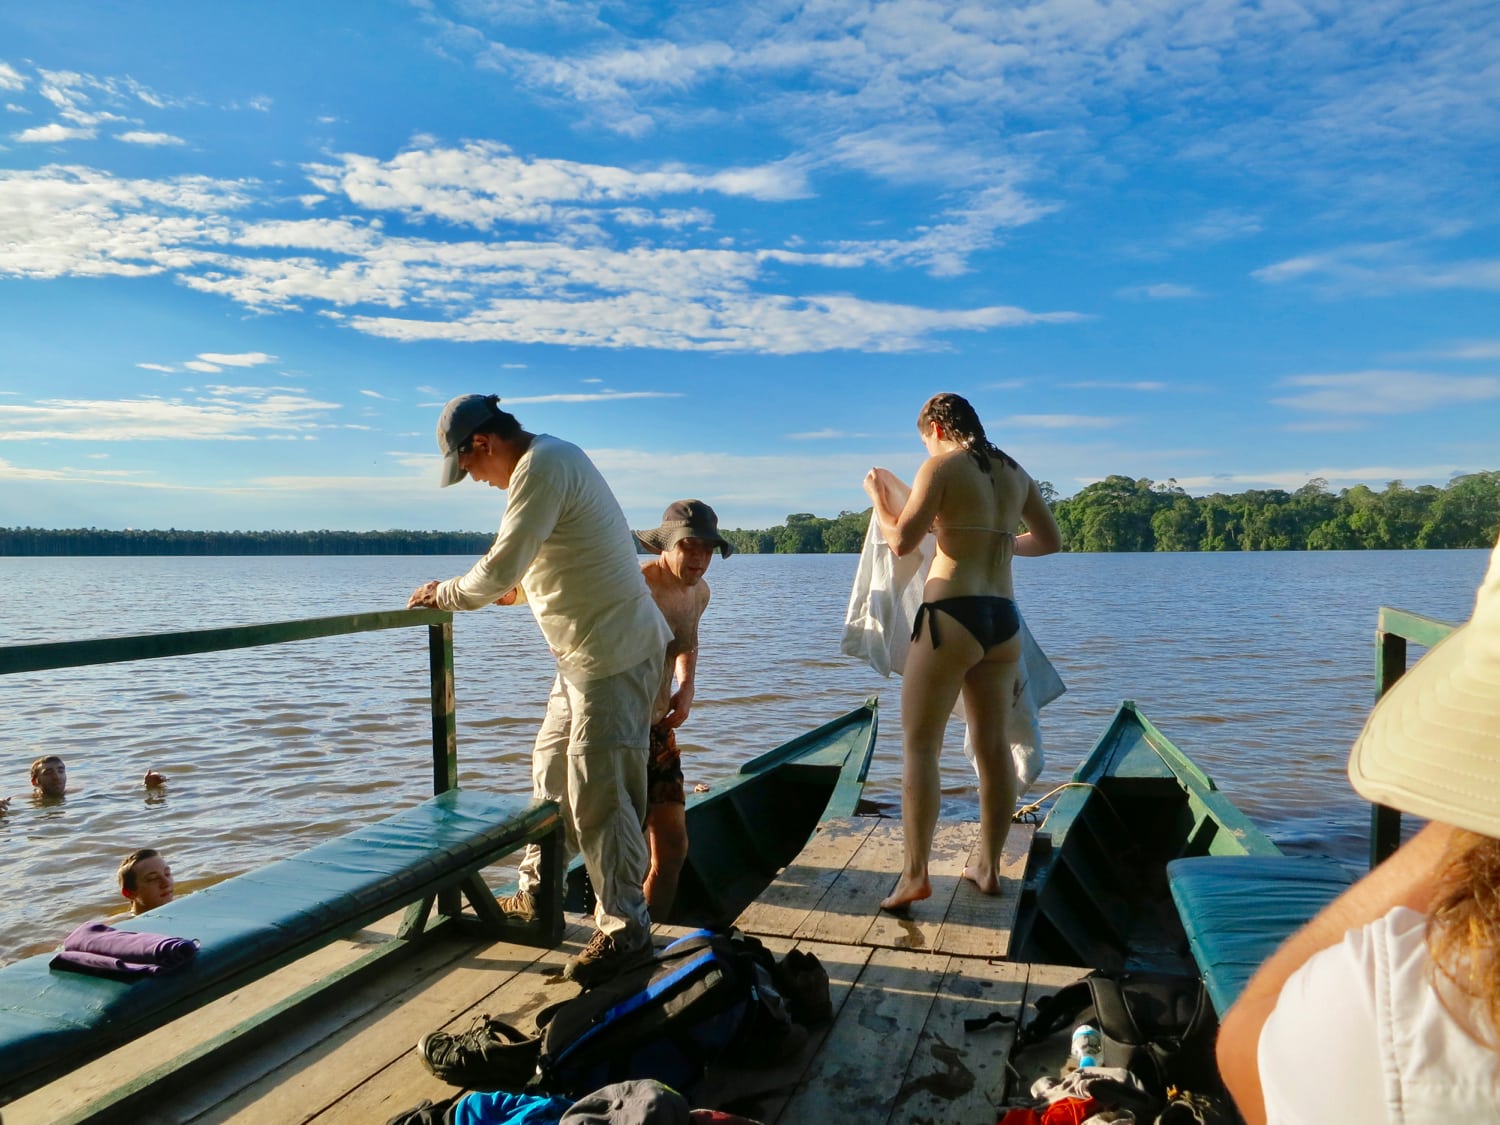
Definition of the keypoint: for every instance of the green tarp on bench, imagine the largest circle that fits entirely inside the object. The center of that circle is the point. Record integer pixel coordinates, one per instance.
(1238, 909)
(254, 922)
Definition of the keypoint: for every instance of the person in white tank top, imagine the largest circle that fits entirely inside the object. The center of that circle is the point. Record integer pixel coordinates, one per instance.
(1386, 1006)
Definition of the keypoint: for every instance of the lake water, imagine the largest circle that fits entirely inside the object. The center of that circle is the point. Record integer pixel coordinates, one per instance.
(1258, 665)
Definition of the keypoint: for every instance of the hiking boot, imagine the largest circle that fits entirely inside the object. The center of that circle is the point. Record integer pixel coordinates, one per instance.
(491, 1055)
(519, 909)
(604, 957)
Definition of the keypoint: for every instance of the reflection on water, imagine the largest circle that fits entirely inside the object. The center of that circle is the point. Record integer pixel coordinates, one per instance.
(1258, 665)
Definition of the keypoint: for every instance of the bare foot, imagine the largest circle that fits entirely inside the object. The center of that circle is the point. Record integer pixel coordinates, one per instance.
(988, 885)
(907, 892)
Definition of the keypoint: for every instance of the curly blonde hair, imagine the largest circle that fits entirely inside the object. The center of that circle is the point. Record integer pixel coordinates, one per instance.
(1463, 928)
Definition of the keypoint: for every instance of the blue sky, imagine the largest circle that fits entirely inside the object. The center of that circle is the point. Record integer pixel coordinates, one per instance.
(247, 250)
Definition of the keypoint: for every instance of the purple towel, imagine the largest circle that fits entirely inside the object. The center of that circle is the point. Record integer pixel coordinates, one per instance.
(96, 947)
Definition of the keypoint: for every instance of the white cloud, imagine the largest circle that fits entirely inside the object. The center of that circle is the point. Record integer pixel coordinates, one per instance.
(484, 183)
(1161, 291)
(376, 394)
(10, 78)
(225, 413)
(596, 396)
(1148, 385)
(1061, 421)
(141, 137)
(1477, 349)
(825, 435)
(53, 134)
(202, 365)
(1383, 268)
(58, 221)
(162, 367)
(1336, 476)
(1386, 392)
(76, 221)
(237, 359)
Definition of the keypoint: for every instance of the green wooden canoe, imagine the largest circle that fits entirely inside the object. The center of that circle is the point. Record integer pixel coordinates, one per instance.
(1097, 892)
(743, 832)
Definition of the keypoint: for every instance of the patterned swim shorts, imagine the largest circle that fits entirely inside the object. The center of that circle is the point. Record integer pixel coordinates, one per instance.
(664, 768)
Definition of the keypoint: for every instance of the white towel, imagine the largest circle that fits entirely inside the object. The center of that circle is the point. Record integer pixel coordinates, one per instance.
(877, 629)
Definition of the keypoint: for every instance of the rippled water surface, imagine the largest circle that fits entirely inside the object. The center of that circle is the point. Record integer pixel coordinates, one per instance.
(1258, 665)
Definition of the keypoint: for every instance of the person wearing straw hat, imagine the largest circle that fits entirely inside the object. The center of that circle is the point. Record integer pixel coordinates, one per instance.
(565, 549)
(683, 547)
(1386, 1006)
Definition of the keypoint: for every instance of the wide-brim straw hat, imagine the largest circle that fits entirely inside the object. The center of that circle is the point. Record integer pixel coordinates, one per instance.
(1431, 746)
(685, 519)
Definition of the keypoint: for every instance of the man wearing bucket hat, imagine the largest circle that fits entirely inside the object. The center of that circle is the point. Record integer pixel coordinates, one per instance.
(684, 545)
(565, 549)
(1386, 1006)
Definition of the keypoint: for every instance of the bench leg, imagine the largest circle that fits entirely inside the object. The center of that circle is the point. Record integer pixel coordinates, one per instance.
(415, 919)
(549, 903)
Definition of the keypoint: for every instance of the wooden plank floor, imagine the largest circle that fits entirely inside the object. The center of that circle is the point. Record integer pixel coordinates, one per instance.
(897, 1050)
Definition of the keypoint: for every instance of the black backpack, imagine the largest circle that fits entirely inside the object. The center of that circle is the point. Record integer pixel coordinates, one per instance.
(667, 1020)
(1159, 1027)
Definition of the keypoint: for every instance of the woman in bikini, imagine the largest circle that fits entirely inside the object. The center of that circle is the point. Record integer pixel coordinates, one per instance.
(966, 637)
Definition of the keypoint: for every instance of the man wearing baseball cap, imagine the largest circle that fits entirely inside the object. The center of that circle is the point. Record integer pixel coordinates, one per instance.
(565, 549)
(1386, 1006)
(681, 548)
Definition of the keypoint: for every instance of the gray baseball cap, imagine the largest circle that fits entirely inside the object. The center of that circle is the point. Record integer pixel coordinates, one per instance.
(456, 425)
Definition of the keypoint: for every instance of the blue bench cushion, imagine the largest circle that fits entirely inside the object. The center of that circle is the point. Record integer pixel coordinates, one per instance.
(255, 921)
(1238, 909)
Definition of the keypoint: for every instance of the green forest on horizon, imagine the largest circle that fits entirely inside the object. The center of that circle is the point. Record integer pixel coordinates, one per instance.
(1117, 514)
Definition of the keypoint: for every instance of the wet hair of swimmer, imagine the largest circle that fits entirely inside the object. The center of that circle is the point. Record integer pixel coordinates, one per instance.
(958, 418)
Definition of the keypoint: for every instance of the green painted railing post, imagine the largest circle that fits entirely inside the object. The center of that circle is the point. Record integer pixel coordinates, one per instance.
(444, 728)
(1390, 665)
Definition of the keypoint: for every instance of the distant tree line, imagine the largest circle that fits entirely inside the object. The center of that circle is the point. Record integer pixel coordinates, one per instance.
(1123, 514)
(1115, 514)
(97, 541)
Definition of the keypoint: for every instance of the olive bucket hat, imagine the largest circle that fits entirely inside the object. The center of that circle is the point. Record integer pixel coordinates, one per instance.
(685, 519)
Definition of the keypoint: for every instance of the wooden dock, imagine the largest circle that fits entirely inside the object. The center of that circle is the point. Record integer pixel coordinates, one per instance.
(896, 1050)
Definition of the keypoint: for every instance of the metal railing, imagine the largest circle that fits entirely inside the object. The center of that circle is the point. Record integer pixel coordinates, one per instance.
(150, 646)
(1393, 629)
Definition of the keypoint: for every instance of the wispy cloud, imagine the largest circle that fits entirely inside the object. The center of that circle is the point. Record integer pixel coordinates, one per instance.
(54, 134)
(165, 369)
(1475, 349)
(1338, 476)
(1148, 385)
(1385, 392)
(217, 412)
(237, 359)
(10, 78)
(142, 137)
(1161, 291)
(1061, 421)
(826, 435)
(1383, 268)
(376, 394)
(596, 396)
(59, 221)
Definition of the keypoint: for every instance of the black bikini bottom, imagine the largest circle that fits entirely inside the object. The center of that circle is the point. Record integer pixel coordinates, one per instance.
(990, 620)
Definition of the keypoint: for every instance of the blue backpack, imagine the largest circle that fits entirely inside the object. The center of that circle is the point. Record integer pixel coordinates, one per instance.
(667, 1019)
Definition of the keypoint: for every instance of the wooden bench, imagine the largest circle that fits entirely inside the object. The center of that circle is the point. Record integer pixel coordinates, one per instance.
(52, 1021)
(1237, 910)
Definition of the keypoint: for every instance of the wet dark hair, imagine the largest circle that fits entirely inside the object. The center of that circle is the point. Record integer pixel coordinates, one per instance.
(126, 874)
(36, 766)
(503, 425)
(955, 415)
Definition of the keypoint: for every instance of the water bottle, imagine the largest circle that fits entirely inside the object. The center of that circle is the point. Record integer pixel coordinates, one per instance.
(1088, 1045)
